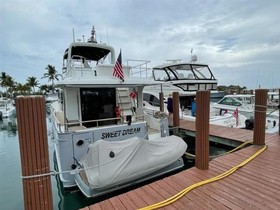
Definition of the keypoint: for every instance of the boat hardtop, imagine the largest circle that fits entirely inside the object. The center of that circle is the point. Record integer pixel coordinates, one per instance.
(178, 65)
(188, 76)
(85, 49)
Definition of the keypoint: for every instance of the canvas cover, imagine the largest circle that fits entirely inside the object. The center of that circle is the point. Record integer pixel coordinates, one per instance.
(109, 164)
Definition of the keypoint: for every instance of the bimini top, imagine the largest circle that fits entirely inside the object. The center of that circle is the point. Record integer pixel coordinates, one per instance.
(89, 50)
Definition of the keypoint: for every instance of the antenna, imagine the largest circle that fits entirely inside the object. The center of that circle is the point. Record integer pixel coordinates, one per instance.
(107, 34)
(73, 34)
(193, 57)
(92, 39)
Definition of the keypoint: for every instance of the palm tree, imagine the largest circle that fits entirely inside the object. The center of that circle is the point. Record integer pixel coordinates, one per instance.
(7, 82)
(51, 74)
(45, 88)
(32, 82)
(22, 88)
(10, 84)
(3, 79)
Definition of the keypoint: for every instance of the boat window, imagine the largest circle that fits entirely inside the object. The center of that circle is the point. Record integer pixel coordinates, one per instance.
(230, 101)
(246, 100)
(171, 75)
(184, 74)
(202, 72)
(151, 99)
(182, 71)
(160, 75)
(98, 103)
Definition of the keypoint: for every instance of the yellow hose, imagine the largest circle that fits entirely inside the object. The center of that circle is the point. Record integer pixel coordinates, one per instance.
(186, 190)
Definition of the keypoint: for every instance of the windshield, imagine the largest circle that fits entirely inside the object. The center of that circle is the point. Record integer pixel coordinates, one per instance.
(183, 71)
(202, 72)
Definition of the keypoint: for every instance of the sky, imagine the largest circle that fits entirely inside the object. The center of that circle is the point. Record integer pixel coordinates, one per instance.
(238, 39)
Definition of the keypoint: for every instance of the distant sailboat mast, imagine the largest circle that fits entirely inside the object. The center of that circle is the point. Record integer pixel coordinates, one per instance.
(193, 57)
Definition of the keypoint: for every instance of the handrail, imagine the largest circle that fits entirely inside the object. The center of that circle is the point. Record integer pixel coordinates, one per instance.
(142, 65)
(137, 117)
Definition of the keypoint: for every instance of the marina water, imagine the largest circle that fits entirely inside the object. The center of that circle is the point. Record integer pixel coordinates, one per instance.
(11, 192)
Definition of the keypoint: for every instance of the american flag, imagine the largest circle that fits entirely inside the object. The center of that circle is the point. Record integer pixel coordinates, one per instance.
(235, 114)
(118, 71)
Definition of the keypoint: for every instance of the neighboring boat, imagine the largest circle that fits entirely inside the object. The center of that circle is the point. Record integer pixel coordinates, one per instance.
(151, 104)
(7, 107)
(273, 99)
(102, 141)
(51, 97)
(187, 78)
(245, 104)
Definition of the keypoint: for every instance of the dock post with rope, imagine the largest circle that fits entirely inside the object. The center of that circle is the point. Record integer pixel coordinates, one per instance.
(33, 143)
(202, 130)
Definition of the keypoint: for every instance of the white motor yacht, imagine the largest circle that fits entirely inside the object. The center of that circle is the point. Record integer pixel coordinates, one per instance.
(187, 78)
(7, 108)
(245, 104)
(102, 141)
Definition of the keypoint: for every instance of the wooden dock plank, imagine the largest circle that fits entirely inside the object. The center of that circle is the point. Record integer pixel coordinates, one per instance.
(117, 203)
(254, 186)
(155, 194)
(173, 189)
(157, 186)
(221, 194)
(139, 202)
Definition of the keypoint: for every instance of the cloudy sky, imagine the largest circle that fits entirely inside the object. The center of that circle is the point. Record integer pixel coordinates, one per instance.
(239, 39)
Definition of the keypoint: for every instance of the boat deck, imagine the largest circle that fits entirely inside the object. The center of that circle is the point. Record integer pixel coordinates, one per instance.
(254, 186)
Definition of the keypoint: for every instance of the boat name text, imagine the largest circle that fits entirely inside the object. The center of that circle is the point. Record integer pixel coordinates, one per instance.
(118, 133)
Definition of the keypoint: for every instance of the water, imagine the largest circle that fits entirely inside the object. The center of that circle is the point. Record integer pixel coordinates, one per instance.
(11, 193)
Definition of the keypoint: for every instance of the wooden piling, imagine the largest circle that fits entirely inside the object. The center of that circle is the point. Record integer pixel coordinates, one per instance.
(161, 103)
(279, 111)
(176, 118)
(33, 143)
(202, 130)
(260, 116)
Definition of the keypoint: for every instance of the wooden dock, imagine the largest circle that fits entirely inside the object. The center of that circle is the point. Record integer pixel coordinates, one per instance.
(254, 186)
